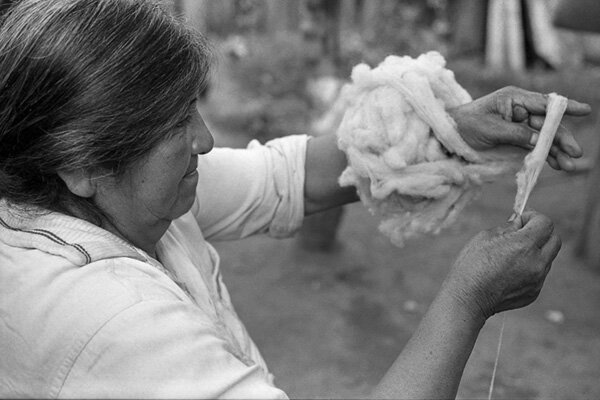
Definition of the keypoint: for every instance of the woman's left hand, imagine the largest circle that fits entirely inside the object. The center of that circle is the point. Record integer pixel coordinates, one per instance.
(514, 116)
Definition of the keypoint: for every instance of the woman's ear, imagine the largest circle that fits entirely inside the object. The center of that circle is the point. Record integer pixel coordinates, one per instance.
(79, 182)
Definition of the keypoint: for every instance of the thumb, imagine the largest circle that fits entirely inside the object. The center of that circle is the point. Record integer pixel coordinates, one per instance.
(519, 113)
(519, 135)
(514, 223)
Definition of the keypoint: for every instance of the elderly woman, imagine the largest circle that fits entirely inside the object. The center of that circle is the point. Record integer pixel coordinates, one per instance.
(109, 192)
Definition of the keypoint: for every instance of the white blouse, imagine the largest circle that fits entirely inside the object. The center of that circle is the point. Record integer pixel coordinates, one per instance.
(85, 314)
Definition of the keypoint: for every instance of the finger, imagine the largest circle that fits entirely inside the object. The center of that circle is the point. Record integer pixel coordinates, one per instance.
(536, 103)
(578, 109)
(553, 163)
(517, 135)
(567, 143)
(564, 139)
(528, 215)
(515, 222)
(536, 121)
(551, 249)
(519, 113)
(534, 138)
(565, 162)
(506, 108)
(537, 227)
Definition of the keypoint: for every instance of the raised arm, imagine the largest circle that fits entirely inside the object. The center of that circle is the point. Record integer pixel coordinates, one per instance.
(324, 164)
(510, 116)
(513, 116)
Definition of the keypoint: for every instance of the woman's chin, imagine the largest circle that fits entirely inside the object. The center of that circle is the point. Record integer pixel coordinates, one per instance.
(187, 193)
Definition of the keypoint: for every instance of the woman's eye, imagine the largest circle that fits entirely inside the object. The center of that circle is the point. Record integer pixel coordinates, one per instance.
(184, 122)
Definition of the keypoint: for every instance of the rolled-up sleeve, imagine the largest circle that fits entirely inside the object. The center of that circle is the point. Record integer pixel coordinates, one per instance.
(254, 190)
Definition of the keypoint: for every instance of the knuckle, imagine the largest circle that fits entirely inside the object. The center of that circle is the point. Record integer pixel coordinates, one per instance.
(488, 234)
(543, 222)
(534, 295)
(558, 241)
(548, 224)
(541, 272)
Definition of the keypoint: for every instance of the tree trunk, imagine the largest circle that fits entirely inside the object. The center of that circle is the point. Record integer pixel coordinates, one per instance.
(331, 41)
(544, 38)
(494, 49)
(588, 246)
(515, 36)
(469, 24)
(505, 36)
(370, 15)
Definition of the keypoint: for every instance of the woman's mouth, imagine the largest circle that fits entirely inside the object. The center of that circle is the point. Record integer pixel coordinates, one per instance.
(192, 168)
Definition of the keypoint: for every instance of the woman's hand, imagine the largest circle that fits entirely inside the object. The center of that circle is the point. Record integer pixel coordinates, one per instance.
(504, 268)
(514, 116)
(498, 270)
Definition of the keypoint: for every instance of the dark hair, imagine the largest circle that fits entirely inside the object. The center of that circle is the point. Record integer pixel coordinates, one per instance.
(87, 84)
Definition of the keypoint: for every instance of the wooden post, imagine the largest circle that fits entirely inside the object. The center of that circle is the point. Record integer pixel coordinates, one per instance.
(515, 38)
(370, 14)
(505, 35)
(468, 25)
(544, 37)
(588, 241)
(495, 43)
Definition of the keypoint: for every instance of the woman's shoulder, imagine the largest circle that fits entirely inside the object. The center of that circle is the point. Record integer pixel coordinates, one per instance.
(53, 288)
(51, 310)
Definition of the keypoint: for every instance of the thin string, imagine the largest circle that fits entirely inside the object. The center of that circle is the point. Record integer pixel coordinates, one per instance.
(497, 357)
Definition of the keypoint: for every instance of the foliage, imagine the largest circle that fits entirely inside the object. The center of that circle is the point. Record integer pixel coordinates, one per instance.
(406, 27)
(274, 65)
(272, 75)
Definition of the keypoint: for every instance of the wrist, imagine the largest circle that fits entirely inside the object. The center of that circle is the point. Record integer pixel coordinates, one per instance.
(462, 305)
(456, 114)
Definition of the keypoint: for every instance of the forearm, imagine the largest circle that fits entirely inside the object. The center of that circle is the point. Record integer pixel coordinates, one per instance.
(432, 363)
(324, 164)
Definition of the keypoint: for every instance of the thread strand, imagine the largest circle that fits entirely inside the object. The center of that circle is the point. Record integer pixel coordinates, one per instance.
(497, 357)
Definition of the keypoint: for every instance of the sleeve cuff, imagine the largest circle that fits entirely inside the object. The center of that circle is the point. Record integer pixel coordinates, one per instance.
(288, 156)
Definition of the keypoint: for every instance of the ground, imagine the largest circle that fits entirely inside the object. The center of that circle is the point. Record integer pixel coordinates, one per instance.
(330, 324)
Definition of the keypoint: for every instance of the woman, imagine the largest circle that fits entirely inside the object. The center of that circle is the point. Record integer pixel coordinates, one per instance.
(109, 189)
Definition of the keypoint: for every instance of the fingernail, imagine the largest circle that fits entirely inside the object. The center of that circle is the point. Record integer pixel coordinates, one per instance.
(570, 166)
(534, 138)
(512, 217)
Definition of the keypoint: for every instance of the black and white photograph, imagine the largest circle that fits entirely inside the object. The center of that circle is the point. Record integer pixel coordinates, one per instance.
(303, 199)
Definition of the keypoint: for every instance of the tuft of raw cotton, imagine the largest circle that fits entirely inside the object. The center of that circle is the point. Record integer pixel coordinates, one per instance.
(405, 156)
(534, 161)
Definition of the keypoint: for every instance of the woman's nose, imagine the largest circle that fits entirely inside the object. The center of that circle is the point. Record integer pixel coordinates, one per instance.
(202, 139)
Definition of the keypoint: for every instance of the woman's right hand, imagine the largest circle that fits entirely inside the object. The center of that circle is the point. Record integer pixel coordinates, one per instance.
(499, 269)
(504, 268)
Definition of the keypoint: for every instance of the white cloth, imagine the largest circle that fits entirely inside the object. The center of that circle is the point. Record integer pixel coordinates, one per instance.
(85, 314)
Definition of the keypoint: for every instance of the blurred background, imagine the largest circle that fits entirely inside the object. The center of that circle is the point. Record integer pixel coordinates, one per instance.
(332, 307)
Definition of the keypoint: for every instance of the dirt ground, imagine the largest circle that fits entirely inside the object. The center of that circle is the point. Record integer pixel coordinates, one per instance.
(330, 324)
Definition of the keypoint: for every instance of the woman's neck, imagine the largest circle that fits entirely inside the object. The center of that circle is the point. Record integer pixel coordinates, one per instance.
(144, 236)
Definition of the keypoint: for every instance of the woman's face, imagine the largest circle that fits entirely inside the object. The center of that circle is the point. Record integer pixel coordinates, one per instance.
(160, 187)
